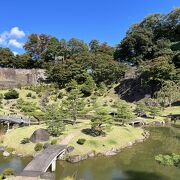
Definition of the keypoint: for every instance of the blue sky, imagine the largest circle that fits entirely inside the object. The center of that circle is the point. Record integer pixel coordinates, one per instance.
(105, 20)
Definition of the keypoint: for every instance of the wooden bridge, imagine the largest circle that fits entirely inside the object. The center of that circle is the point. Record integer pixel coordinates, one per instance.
(15, 119)
(41, 163)
(137, 121)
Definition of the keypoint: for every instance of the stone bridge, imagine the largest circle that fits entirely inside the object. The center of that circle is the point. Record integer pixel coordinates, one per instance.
(41, 163)
(15, 119)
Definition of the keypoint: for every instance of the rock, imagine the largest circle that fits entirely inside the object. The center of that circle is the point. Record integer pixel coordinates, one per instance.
(139, 140)
(84, 157)
(39, 136)
(6, 154)
(110, 153)
(70, 149)
(74, 159)
(14, 153)
(2, 148)
(157, 123)
(91, 154)
(129, 144)
(116, 150)
(99, 154)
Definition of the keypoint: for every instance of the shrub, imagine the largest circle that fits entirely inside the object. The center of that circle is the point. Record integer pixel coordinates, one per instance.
(25, 141)
(60, 95)
(81, 141)
(10, 149)
(34, 97)
(29, 94)
(38, 147)
(169, 160)
(8, 172)
(11, 94)
(54, 141)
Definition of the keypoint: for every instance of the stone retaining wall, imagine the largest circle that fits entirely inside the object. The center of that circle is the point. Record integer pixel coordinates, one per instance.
(10, 77)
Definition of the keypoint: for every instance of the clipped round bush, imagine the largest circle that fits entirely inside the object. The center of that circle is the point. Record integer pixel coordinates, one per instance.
(54, 141)
(29, 94)
(11, 94)
(38, 147)
(81, 141)
(25, 141)
(8, 172)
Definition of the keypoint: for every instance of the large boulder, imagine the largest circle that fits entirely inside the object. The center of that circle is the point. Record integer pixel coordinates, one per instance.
(6, 154)
(39, 136)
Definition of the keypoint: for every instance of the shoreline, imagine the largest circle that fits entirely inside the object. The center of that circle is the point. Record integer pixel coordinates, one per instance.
(80, 157)
(108, 153)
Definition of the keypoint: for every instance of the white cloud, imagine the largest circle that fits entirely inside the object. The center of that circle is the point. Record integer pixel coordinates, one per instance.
(15, 43)
(15, 53)
(3, 38)
(16, 32)
(9, 38)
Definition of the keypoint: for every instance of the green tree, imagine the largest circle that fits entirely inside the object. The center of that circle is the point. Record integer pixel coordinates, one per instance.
(100, 120)
(52, 51)
(54, 120)
(88, 86)
(141, 109)
(6, 57)
(76, 47)
(36, 45)
(124, 112)
(154, 111)
(23, 61)
(94, 46)
(74, 104)
(169, 93)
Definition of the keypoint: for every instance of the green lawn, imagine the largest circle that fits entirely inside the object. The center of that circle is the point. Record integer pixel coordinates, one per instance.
(116, 137)
(14, 137)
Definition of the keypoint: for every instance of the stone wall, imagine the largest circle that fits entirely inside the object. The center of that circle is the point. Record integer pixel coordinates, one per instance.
(12, 77)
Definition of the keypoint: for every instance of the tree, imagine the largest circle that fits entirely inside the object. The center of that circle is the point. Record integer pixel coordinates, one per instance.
(36, 45)
(74, 104)
(54, 120)
(94, 46)
(101, 118)
(142, 39)
(169, 93)
(88, 86)
(23, 61)
(6, 57)
(141, 109)
(124, 112)
(156, 71)
(154, 111)
(76, 47)
(52, 51)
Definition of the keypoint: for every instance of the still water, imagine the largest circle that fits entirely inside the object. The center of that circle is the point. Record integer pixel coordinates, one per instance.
(136, 163)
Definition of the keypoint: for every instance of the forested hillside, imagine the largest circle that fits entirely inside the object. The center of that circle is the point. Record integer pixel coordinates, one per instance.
(152, 45)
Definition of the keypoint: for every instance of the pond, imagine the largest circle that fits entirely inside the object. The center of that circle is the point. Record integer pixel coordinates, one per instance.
(136, 163)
